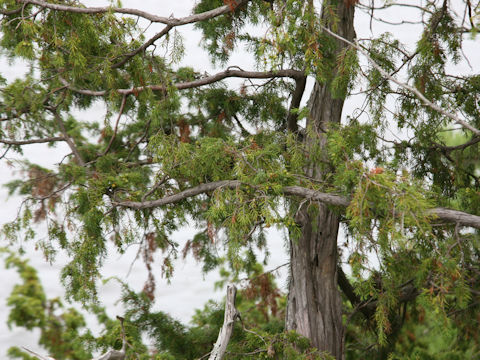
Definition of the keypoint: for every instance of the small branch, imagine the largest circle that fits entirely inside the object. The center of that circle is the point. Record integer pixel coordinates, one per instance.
(415, 91)
(67, 138)
(38, 356)
(231, 313)
(120, 112)
(131, 54)
(32, 141)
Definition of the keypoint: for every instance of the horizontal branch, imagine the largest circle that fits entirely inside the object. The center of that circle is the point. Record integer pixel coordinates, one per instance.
(175, 198)
(290, 73)
(172, 21)
(443, 214)
(32, 141)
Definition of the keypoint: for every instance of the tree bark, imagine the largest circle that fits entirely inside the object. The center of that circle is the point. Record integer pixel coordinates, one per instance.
(314, 304)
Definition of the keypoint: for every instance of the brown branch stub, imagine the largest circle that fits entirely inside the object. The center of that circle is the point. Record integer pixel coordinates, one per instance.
(231, 313)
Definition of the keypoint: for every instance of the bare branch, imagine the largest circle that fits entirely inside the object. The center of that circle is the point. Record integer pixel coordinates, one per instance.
(171, 21)
(171, 199)
(38, 356)
(32, 141)
(422, 97)
(295, 74)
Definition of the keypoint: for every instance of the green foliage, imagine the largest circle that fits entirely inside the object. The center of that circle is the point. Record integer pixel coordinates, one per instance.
(65, 335)
(159, 136)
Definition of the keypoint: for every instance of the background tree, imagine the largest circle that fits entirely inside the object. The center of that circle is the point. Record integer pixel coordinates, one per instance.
(178, 145)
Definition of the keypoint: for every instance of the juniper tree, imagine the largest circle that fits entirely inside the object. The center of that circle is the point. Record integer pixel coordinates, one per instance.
(177, 144)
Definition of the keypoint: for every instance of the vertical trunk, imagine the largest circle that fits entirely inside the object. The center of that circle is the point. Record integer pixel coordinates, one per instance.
(314, 304)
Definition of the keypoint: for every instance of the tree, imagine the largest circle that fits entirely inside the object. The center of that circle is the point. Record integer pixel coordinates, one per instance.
(178, 145)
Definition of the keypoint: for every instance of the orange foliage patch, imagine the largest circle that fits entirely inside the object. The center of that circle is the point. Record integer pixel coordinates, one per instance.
(232, 4)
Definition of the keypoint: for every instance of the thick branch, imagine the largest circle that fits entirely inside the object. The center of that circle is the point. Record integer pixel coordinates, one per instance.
(455, 216)
(136, 12)
(295, 74)
(226, 331)
(415, 91)
(447, 215)
(349, 292)
(292, 118)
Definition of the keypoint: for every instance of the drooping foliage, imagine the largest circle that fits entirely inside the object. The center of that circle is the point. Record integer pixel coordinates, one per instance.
(177, 145)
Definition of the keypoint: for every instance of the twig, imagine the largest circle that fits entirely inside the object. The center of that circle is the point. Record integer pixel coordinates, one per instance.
(120, 112)
(422, 97)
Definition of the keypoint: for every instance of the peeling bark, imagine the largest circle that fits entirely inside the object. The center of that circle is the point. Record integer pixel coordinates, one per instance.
(314, 307)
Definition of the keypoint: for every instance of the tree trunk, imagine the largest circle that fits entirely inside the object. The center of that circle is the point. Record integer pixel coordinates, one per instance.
(314, 305)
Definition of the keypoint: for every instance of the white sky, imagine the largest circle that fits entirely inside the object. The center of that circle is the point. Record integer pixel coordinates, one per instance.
(188, 289)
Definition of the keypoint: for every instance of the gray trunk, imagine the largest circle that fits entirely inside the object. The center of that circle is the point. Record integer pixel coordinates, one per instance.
(314, 305)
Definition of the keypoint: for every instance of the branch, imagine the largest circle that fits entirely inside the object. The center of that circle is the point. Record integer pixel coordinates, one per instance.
(422, 97)
(67, 138)
(171, 199)
(297, 95)
(171, 21)
(32, 141)
(455, 216)
(226, 331)
(131, 54)
(120, 112)
(295, 74)
(443, 214)
(349, 292)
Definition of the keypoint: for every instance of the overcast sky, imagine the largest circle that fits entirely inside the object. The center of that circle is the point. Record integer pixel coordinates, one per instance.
(187, 290)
